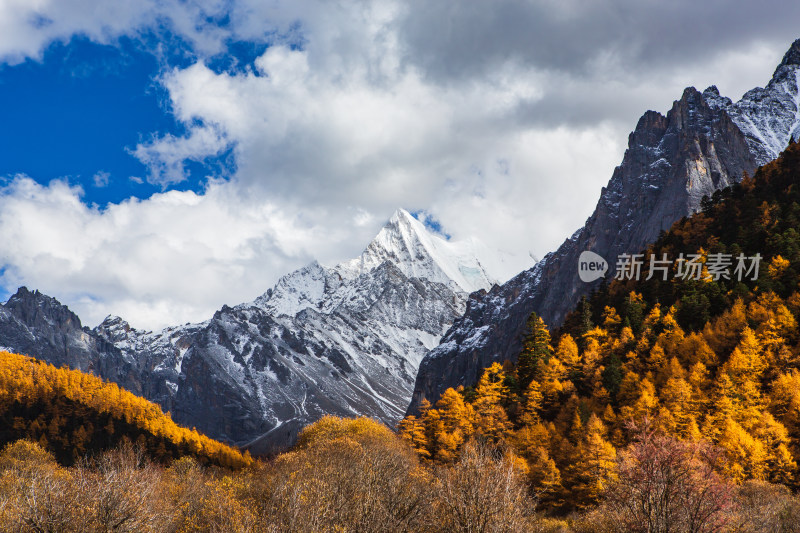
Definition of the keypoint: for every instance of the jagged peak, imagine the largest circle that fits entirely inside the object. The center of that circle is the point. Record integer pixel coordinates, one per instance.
(649, 118)
(690, 93)
(419, 252)
(692, 109)
(401, 224)
(792, 56)
(402, 238)
(691, 97)
(23, 294)
(305, 287)
(313, 266)
(114, 321)
(649, 128)
(788, 65)
(401, 216)
(29, 304)
(714, 99)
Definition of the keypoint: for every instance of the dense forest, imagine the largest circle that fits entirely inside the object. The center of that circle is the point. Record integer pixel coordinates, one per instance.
(698, 366)
(73, 414)
(343, 475)
(357, 475)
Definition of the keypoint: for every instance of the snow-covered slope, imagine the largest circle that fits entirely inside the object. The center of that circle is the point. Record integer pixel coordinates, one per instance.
(768, 116)
(344, 340)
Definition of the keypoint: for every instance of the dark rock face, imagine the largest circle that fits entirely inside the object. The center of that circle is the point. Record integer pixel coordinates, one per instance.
(704, 143)
(58, 331)
(671, 163)
(34, 324)
(38, 325)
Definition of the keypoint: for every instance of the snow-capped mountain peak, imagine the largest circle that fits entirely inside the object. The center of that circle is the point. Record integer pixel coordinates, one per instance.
(419, 253)
(769, 117)
(342, 340)
(404, 243)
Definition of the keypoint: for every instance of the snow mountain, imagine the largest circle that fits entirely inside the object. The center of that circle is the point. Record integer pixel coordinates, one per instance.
(767, 116)
(405, 243)
(343, 340)
(704, 143)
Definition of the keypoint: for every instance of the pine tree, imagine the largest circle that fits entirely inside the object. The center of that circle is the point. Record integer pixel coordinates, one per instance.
(544, 474)
(586, 316)
(491, 419)
(532, 403)
(567, 352)
(594, 463)
(535, 350)
(455, 424)
(412, 430)
(747, 456)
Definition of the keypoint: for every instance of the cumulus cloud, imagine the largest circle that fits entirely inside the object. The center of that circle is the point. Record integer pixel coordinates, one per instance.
(355, 139)
(166, 260)
(501, 120)
(28, 27)
(166, 157)
(490, 154)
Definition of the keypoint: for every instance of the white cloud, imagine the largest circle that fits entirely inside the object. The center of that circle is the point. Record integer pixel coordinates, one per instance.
(173, 258)
(329, 138)
(346, 141)
(166, 157)
(101, 179)
(27, 27)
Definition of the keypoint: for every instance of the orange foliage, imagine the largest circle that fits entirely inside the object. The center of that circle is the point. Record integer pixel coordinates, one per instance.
(27, 382)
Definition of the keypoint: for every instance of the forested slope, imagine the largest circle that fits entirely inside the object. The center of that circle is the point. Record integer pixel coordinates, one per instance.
(705, 355)
(74, 414)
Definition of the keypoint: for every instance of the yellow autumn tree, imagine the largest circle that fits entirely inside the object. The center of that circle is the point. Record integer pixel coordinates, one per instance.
(567, 352)
(491, 419)
(456, 424)
(594, 462)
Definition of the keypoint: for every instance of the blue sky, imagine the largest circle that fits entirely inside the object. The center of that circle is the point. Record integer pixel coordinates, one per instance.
(78, 111)
(161, 158)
